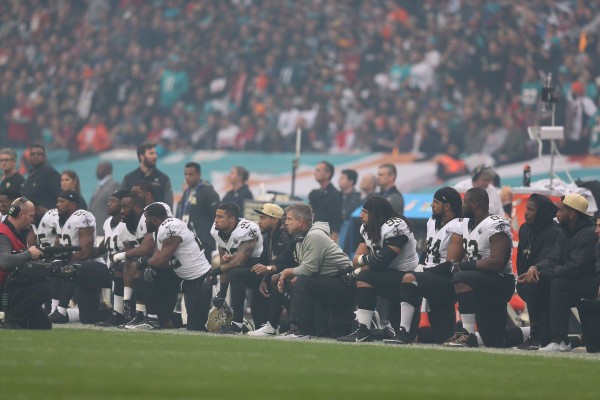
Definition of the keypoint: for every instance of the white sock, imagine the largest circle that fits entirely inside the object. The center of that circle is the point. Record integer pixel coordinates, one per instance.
(73, 314)
(468, 321)
(140, 308)
(61, 310)
(479, 340)
(127, 293)
(526, 331)
(118, 306)
(364, 317)
(407, 311)
(54, 305)
(153, 316)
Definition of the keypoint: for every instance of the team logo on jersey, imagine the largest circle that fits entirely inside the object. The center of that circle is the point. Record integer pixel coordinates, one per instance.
(69, 226)
(235, 241)
(43, 224)
(480, 231)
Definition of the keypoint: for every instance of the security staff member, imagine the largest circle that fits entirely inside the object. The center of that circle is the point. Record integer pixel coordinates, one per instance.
(25, 298)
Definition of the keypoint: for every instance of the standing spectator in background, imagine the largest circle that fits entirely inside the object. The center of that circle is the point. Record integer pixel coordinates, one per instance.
(368, 186)
(198, 206)
(147, 171)
(350, 196)
(69, 180)
(326, 201)
(238, 179)
(386, 180)
(7, 196)
(106, 186)
(482, 177)
(43, 183)
(11, 179)
(93, 137)
(174, 83)
(579, 109)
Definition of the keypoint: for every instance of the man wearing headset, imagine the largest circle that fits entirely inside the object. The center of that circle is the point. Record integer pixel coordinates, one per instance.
(25, 298)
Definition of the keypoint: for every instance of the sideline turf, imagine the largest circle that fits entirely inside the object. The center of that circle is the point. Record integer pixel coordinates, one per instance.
(93, 364)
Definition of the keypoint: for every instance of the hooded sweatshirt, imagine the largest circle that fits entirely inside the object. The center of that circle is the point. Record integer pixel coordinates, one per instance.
(536, 240)
(318, 254)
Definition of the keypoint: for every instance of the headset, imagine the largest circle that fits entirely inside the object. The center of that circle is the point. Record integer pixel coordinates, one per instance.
(15, 207)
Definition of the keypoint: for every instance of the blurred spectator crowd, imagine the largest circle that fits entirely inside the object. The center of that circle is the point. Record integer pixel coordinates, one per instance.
(428, 77)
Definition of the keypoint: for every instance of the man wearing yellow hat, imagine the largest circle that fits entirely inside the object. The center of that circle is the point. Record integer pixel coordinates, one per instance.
(567, 275)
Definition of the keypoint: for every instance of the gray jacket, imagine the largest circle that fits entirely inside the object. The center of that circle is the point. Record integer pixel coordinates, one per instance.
(318, 254)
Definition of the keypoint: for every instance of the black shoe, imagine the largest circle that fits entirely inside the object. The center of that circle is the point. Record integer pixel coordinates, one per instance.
(129, 309)
(10, 326)
(530, 344)
(233, 329)
(115, 319)
(402, 337)
(137, 319)
(147, 324)
(57, 318)
(385, 333)
(462, 339)
(362, 334)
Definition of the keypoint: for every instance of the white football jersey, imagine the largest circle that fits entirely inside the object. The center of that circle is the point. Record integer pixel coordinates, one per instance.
(408, 259)
(45, 232)
(243, 232)
(113, 238)
(189, 261)
(438, 241)
(68, 233)
(477, 241)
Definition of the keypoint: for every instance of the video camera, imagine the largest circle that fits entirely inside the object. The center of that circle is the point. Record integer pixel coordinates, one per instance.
(53, 264)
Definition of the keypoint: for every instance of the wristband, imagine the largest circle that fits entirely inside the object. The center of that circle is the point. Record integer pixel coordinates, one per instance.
(360, 261)
(119, 257)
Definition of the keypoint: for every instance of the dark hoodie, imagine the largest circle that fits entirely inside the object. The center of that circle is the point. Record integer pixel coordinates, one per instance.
(536, 240)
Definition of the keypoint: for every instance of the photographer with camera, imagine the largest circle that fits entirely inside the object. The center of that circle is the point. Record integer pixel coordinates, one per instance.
(24, 296)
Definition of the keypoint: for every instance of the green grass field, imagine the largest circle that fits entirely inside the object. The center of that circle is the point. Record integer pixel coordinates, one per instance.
(94, 364)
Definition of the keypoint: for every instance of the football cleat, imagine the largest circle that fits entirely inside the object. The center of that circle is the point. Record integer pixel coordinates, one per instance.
(138, 319)
(115, 319)
(219, 318)
(530, 344)
(402, 337)
(462, 339)
(57, 318)
(233, 329)
(148, 324)
(362, 334)
(266, 330)
(129, 309)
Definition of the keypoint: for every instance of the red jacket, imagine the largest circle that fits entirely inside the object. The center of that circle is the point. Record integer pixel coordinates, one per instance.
(15, 242)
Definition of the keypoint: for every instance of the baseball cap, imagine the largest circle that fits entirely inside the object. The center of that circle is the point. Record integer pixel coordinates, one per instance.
(271, 210)
(576, 201)
(70, 195)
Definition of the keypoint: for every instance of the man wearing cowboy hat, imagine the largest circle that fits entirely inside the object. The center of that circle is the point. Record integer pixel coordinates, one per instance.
(567, 275)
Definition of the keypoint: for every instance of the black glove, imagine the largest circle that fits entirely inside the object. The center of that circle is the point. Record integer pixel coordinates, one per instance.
(149, 274)
(142, 262)
(218, 301)
(463, 266)
(215, 271)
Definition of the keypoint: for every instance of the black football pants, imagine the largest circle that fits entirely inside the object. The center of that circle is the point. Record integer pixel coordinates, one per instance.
(92, 277)
(197, 303)
(239, 280)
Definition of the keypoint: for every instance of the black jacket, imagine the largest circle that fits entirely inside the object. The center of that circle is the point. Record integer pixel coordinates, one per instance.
(238, 197)
(537, 240)
(395, 198)
(574, 257)
(327, 206)
(201, 206)
(350, 202)
(278, 249)
(42, 186)
(161, 184)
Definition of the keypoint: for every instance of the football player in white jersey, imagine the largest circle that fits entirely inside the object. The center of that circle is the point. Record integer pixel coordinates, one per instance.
(433, 280)
(163, 291)
(111, 245)
(240, 245)
(178, 248)
(484, 282)
(386, 253)
(78, 228)
(44, 234)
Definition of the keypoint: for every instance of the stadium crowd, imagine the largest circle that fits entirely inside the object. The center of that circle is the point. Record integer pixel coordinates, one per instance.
(428, 77)
(291, 259)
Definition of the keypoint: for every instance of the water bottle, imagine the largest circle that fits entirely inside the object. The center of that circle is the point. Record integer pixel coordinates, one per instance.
(526, 175)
